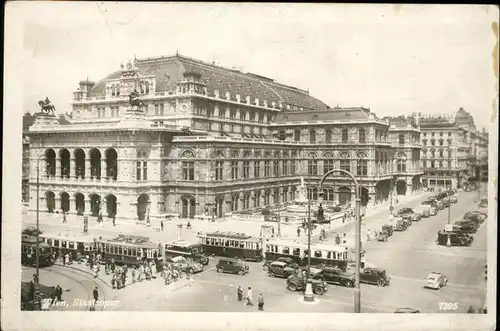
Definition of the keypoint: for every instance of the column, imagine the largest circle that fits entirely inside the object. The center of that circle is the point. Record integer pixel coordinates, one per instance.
(58, 167)
(103, 169)
(262, 199)
(88, 207)
(252, 198)
(72, 168)
(58, 204)
(87, 168)
(72, 204)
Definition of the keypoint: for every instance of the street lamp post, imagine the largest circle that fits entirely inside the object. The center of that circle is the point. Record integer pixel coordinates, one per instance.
(448, 240)
(308, 294)
(37, 274)
(357, 290)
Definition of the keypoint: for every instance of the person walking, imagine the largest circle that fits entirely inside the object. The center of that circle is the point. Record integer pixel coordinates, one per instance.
(249, 297)
(239, 293)
(133, 274)
(161, 224)
(298, 232)
(96, 295)
(114, 220)
(261, 301)
(59, 293)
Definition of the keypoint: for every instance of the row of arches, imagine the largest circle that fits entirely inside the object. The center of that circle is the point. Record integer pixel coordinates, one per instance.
(79, 156)
(96, 205)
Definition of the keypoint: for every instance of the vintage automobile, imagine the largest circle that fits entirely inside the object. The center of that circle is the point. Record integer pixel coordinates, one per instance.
(374, 276)
(407, 311)
(423, 211)
(267, 263)
(404, 212)
(446, 203)
(298, 283)
(400, 225)
(429, 202)
(187, 266)
(232, 265)
(456, 238)
(415, 217)
(453, 199)
(465, 226)
(281, 269)
(335, 276)
(382, 235)
(475, 216)
(439, 205)
(388, 228)
(407, 222)
(435, 280)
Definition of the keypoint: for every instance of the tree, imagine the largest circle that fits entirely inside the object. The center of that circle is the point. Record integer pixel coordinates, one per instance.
(31, 231)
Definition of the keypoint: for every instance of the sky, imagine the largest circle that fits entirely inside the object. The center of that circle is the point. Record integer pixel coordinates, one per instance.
(394, 59)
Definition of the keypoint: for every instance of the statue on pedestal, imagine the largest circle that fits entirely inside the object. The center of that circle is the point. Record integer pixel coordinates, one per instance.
(46, 106)
(134, 100)
(302, 191)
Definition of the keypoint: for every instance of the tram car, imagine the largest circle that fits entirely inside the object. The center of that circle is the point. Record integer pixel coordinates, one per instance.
(321, 255)
(231, 244)
(77, 246)
(28, 252)
(185, 249)
(128, 250)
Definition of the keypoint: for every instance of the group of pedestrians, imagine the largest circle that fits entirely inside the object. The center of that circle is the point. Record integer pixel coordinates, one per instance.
(249, 298)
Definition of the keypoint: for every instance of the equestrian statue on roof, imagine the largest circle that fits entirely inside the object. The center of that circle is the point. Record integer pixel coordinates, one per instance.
(47, 106)
(134, 100)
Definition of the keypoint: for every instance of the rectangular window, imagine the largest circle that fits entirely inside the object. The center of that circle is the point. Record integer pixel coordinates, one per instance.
(219, 168)
(292, 168)
(256, 169)
(433, 164)
(246, 169)
(312, 167)
(234, 170)
(285, 168)
(345, 165)
(362, 136)
(138, 172)
(327, 166)
(188, 170)
(296, 135)
(257, 199)
(267, 169)
(312, 137)
(328, 136)
(345, 136)
(401, 139)
(362, 168)
(276, 170)
(144, 170)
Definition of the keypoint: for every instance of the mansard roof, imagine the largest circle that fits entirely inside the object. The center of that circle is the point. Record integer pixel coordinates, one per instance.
(329, 114)
(170, 70)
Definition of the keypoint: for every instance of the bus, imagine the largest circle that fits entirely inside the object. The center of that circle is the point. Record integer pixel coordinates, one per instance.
(321, 255)
(231, 244)
(28, 252)
(129, 250)
(77, 246)
(184, 249)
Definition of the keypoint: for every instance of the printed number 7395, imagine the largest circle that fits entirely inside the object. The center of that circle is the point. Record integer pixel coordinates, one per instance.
(448, 306)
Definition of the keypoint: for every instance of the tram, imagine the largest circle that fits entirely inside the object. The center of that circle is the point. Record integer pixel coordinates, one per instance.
(184, 249)
(128, 249)
(231, 244)
(77, 246)
(28, 252)
(326, 255)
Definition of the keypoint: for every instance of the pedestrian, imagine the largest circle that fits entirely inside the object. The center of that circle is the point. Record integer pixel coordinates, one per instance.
(240, 293)
(113, 266)
(153, 270)
(59, 292)
(64, 217)
(113, 281)
(261, 301)
(96, 270)
(298, 232)
(66, 258)
(31, 291)
(96, 295)
(133, 274)
(114, 220)
(249, 297)
(272, 232)
(53, 295)
(161, 225)
(125, 272)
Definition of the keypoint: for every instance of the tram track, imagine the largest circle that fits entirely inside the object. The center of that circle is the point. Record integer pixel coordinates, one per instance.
(90, 281)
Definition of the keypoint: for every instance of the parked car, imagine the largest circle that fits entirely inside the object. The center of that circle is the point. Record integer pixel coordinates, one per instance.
(298, 283)
(407, 311)
(407, 222)
(281, 269)
(475, 215)
(435, 280)
(446, 203)
(400, 225)
(335, 276)
(423, 211)
(415, 217)
(374, 276)
(404, 212)
(465, 226)
(428, 202)
(456, 238)
(433, 211)
(232, 265)
(382, 235)
(453, 199)
(439, 205)
(180, 263)
(388, 228)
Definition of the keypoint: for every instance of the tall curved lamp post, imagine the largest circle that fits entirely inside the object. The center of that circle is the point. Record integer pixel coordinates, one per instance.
(357, 290)
(37, 274)
(309, 294)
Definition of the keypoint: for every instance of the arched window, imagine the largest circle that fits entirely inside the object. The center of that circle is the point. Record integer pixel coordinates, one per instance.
(312, 167)
(147, 87)
(234, 202)
(113, 90)
(188, 170)
(257, 199)
(246, 201)
(142, 166)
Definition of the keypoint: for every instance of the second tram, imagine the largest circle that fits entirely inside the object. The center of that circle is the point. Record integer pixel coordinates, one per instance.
(129, 250)
(231, 244)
